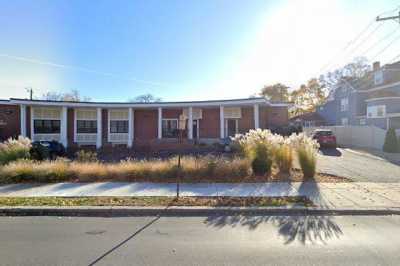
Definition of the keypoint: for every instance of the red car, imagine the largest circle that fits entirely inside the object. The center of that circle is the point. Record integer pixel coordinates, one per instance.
(325, 138)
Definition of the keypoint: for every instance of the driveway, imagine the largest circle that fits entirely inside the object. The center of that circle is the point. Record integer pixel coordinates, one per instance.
(360, 167)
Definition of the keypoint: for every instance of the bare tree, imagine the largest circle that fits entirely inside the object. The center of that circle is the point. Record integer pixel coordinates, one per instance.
(72, 96)
(146, 98)
(356, 69)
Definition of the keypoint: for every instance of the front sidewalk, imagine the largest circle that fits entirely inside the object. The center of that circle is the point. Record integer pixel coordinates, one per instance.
(357, 195)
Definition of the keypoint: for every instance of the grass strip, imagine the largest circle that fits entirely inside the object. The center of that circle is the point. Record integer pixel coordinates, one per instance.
(157, 201)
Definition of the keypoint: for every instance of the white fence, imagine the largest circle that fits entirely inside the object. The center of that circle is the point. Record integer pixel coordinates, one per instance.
(357, 136)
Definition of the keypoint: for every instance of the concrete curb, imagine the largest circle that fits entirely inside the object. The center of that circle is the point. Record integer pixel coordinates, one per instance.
(186, 211)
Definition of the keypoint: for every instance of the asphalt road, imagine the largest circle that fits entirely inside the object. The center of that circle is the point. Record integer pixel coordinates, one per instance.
(277, 240)
(357, 166)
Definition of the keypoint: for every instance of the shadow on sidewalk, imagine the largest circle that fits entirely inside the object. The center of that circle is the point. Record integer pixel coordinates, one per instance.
(304, 229)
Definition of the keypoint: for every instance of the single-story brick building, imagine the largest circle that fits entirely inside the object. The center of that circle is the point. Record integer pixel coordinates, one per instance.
(110, 123)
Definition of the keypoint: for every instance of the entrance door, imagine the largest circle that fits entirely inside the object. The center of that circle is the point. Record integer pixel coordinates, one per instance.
(231, 127)
(195, 128)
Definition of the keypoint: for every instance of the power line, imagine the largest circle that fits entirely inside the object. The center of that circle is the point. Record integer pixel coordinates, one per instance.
(386, 47)
(379, 41)
(354, 40)
(394, 59)
(349, 44)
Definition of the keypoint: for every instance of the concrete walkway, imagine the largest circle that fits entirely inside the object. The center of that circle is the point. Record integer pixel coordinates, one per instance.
(324, 195)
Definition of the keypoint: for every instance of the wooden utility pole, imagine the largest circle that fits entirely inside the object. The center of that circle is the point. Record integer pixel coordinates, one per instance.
(30, 91)
(396, 18)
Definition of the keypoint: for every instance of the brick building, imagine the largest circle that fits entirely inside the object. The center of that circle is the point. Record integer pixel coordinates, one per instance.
(108, 123)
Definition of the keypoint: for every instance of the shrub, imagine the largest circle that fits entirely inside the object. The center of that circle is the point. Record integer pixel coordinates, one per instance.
(391, 143)
(283, 157)
(39, 152)
(86, 156)
(14, 149)
(261, 163)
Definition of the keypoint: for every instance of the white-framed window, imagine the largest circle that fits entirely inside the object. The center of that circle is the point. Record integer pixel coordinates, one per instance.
(46, 120)
(376, 111)
(378, 77)
(344, 104)
(46, 126)
(118, 125)
(345, 121)
(170, 128)
(85, 125)
(363, 121)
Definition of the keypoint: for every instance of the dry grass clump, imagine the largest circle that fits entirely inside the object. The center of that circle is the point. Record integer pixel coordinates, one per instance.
(192, 169)
(284, 158)
(14, 149)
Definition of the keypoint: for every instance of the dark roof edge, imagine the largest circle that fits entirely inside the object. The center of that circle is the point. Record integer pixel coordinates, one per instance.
(177, 102)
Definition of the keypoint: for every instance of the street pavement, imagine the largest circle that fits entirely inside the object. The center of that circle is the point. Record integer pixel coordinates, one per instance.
(358, 166)
(215, 240)
(353, 195)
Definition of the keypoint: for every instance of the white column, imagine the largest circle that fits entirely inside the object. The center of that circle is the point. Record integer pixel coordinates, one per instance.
(23, 120)
(99, 129)
(256, 116)
(159, 122)
(63, 128)
(190, 123)
(221, 122)
(130, 126)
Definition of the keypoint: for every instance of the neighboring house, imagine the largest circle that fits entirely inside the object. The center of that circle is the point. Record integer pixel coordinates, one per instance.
(371, 100)
(109, 123)
(312, 119)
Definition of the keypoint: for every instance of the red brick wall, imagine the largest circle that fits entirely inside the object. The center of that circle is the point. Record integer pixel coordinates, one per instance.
(104, 127)
(278, 116)
(247, 121)
(146, 124)
(28, 121)
(263, 113)
(70, 126)
(171, 113)
(209, 124)
(10, 121)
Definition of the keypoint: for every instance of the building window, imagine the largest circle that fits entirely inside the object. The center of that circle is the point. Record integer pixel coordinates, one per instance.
(380, 111)
(41, 126)
(363, 121)
(86, 126)
(376, 111)
(378, 77)
(345, 121)
(344, 104)
(170, 128)
(119, 126)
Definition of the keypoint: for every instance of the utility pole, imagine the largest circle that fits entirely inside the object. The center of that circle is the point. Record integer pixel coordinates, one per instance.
(30, 91)
(389, 18)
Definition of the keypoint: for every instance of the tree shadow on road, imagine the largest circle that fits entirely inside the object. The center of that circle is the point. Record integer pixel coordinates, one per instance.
(303, 228)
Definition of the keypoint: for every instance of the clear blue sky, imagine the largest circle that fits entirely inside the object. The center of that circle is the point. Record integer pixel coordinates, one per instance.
(178, 50)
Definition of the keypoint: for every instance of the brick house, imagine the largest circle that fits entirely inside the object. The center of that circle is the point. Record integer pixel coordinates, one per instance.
(103, 124)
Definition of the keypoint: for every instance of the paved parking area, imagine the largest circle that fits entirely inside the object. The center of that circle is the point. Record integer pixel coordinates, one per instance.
(360, 167)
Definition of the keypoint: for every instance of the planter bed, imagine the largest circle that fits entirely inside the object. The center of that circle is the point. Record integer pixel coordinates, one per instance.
(158, 201)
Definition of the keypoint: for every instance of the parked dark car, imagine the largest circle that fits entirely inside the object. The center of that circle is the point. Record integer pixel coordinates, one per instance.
(287, 130)
(325, 138)
(42, 150)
